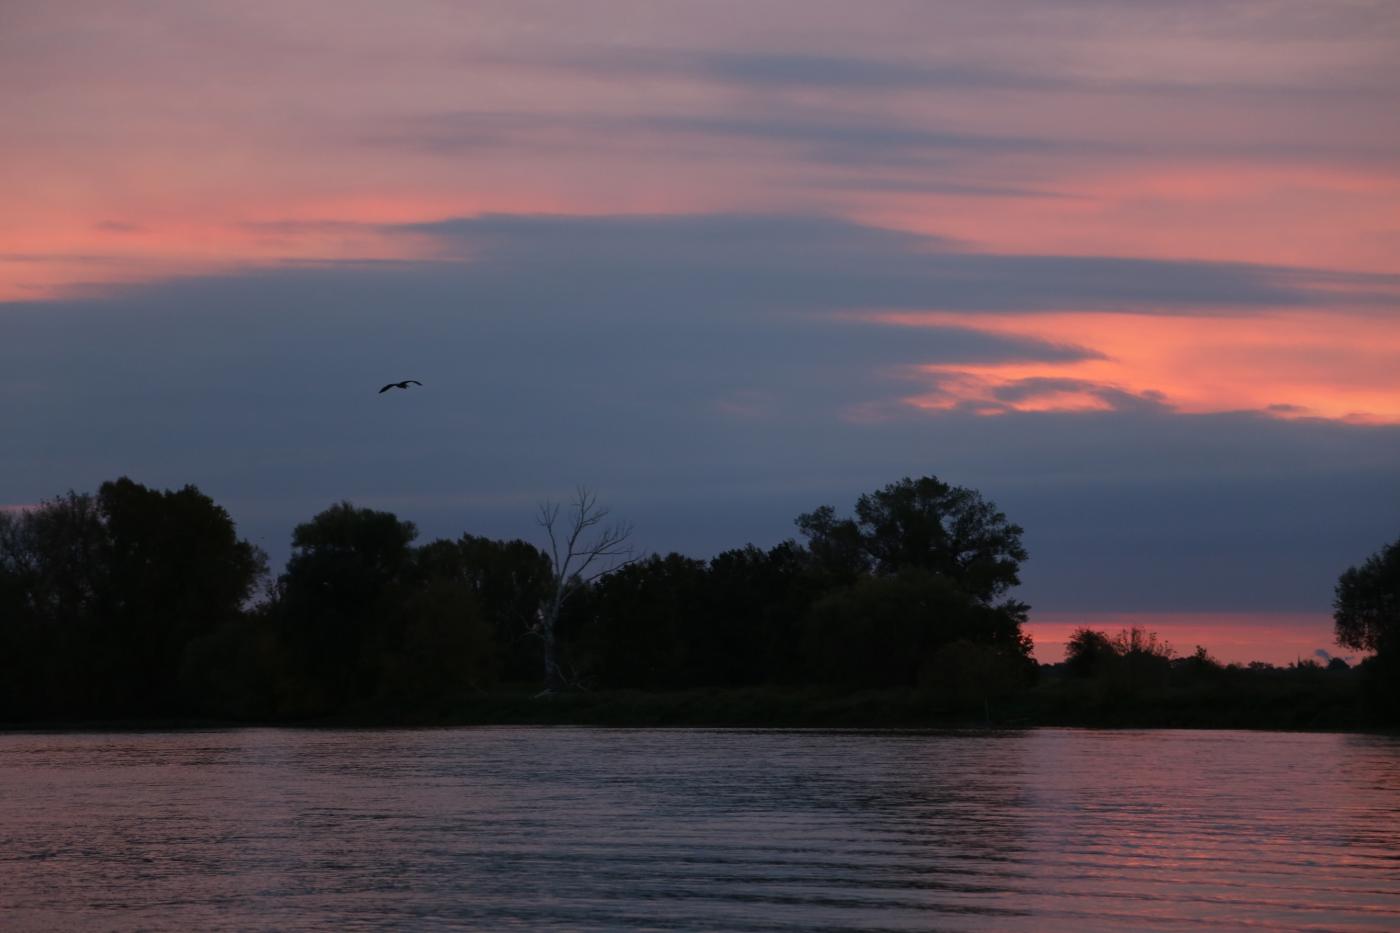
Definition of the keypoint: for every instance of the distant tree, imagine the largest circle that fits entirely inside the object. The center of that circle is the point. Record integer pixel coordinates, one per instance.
(52, 561)
(950, 530)
(882, 630)
(1126, 662)
(510, 581)
(444, 646)
(54, 555)
(757, 602)
(1366, 607)
(920, 565)
(1146, 659)
(922, 524)
(1366, 610)
(175, 572)
(838, 549)
(1088, 652)
(1199, 666)
(1139, 641)
(350, 570)
(583, 549)
(106, 593)
(650, 622)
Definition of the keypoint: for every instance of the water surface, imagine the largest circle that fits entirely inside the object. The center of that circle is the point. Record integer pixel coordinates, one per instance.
(592, 829)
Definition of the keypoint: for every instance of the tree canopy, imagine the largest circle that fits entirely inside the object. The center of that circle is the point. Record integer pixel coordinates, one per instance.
(103, 594)
(1366, 607)
(134, 601)
(922, 524)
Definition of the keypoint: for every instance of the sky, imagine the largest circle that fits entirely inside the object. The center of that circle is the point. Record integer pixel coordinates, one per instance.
(1130, 269)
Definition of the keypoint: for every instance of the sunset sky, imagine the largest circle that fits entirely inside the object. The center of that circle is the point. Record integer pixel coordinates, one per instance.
(1131, 269)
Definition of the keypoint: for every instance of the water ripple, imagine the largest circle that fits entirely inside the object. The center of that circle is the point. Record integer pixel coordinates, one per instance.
(591, 830)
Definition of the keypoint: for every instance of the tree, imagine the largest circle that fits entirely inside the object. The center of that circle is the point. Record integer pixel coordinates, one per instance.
(103, 596)
(584, 551)
(1366, 607)
(649, 624)
(757, 601)
(882, 630)
(510, 581)
(1126, 662)
(922, 524)
(949, 530)
(838, 550)
(444, 647)
(1088, 652)
(1366, 611)
(349, 571)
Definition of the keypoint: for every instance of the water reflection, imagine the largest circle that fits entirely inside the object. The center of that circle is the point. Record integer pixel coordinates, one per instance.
(699, 830)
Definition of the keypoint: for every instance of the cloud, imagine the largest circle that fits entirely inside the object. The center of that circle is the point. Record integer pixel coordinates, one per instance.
(825, 263)
(701, 372)
(824, 137)
(771, 70)
(788, 70)
(1063, 394)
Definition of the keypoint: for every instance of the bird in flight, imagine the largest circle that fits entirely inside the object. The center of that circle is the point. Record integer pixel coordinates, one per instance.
(399, 385)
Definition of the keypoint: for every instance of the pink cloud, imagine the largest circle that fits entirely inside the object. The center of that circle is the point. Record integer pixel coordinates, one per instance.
(1287, 364)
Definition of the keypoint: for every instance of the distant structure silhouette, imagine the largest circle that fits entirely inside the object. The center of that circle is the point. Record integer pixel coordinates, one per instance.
(400, 385)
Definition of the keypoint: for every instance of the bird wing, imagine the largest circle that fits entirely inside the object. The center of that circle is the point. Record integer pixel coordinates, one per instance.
(387, 387)
(414, 381)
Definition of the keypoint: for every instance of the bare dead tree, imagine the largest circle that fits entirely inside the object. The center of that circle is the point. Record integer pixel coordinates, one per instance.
(586, 549)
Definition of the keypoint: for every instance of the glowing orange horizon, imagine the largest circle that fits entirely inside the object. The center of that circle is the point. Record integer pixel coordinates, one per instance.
(1231, 638)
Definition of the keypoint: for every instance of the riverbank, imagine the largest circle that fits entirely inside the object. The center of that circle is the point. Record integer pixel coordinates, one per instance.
(1319, 702)
(1328, 707)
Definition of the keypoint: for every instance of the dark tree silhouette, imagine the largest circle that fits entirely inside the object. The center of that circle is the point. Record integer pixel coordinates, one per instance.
(921, 524)
(648, 618)
(510, 580)
(1366, 610)
(1366, 607)
(132, 602)
(883, 630)
(111, 590)
(1128, 662)
(840, 553)
(757, 601)
(348, 570)
(949, 530)
(1088, 652)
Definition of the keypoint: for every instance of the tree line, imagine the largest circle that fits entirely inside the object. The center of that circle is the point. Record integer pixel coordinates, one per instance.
(134, 603)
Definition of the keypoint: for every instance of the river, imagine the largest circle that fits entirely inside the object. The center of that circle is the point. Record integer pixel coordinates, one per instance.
(598, 829)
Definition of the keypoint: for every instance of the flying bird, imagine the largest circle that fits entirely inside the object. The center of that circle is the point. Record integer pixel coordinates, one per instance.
(399, 385)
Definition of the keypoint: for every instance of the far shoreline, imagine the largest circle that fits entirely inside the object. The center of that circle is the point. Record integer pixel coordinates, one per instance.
(796, 708)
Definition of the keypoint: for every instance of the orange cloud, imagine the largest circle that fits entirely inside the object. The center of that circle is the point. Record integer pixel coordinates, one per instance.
(1303, 363)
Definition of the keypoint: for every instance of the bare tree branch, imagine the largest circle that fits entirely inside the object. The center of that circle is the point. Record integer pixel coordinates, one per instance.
(586, 542)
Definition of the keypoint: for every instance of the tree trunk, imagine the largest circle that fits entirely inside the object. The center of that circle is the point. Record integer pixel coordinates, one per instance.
(553, 677)
(553, 680)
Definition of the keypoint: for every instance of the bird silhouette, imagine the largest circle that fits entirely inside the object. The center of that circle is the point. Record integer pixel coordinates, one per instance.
(399, 385)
